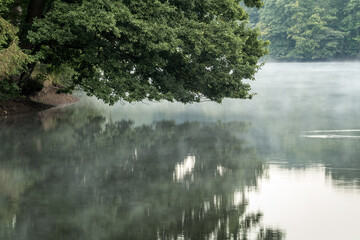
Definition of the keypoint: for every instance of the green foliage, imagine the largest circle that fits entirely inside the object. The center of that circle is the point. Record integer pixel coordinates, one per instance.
(4, 5)
(352, 26)
(63, 76)
(313, 36)
(311, 30)
(135, 50)
(8, 90)
(12, 58)
(60, 76)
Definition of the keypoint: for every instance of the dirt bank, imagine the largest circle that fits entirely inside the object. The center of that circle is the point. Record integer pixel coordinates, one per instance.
(45, 99)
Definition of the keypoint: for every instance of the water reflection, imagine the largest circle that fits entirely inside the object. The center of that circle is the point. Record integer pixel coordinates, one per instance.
(173, 171)
(307, 203)
(184, 168)
(72, 174)
(346, 133)
(338, 155)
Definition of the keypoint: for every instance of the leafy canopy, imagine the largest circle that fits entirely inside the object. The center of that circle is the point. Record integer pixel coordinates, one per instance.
(133, 50)
(12, 58)
(311, 30)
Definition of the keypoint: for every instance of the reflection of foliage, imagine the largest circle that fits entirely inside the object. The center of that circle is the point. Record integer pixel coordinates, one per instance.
(103, 180)
(270, 234)
(339, 156)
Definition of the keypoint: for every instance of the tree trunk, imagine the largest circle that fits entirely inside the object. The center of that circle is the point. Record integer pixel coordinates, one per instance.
(35, 9)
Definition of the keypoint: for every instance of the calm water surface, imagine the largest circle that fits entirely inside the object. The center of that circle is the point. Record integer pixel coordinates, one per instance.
(285, 165)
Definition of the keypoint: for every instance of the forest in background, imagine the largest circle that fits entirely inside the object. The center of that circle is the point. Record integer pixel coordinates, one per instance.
(304, 30)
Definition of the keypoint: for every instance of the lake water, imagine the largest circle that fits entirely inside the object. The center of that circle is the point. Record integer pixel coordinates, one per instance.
(285, 165)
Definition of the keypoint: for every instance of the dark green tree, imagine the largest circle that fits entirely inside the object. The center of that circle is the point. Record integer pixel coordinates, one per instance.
(310, 30)
(135, 50)
(12, 58)
(351, 22)
(274, 23)
(302, 29)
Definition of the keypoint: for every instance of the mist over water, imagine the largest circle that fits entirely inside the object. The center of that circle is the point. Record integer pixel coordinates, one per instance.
(307, 96)
(284, 165)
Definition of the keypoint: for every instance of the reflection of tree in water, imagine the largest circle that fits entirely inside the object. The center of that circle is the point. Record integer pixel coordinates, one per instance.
(341, 157)
(91, 179)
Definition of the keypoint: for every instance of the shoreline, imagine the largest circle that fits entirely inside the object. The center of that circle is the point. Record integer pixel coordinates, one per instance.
(45, 99)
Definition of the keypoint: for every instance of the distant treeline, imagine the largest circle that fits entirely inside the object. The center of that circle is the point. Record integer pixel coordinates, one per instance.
(310, 30)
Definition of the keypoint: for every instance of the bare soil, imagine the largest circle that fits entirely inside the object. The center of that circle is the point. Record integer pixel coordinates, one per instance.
(45, 99)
